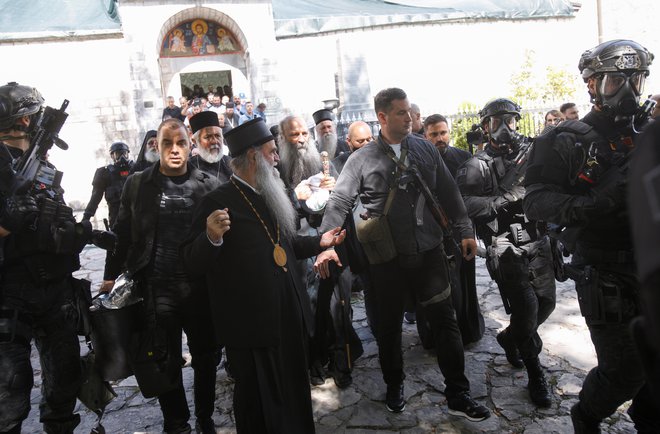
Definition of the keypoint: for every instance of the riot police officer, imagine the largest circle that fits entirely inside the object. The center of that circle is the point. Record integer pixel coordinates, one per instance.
(40, 243)
(577, 179)
(518, 251)
(109, 181)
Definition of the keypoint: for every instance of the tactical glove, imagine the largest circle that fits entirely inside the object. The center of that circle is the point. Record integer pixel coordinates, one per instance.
(18, 212)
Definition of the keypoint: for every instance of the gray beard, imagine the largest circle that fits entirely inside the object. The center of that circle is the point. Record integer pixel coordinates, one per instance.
(208, 156)
(271, 188)
(299, 164)
(328, 143)
(151, 155)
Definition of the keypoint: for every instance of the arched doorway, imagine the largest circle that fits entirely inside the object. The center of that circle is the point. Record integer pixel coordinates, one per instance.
(207, 73)
(202, 46)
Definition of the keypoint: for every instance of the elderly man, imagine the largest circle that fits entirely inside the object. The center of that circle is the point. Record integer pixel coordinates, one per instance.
(148, 153)
(412, 258)
(325, 131)
(156, 208)
(207, 135)
(244, 241)
(300, 159)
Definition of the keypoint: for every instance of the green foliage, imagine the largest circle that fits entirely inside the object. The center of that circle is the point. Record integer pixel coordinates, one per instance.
(462, 123)
(557, 86)
(525, 88)
(560, 85)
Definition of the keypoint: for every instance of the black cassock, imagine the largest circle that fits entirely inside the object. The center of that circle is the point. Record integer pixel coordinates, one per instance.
(260, 311)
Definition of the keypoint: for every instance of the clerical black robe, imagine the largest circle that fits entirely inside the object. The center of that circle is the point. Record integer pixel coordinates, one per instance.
(260, 310)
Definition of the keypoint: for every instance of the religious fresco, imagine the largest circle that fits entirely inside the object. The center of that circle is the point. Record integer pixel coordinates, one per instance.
(198, 38)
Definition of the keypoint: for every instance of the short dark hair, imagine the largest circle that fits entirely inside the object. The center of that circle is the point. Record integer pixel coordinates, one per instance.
(383, 99)
(434, 119)
(565, 106)
(172, 124)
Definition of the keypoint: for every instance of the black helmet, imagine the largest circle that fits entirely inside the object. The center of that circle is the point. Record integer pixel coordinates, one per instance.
(119, 147)
(17, 101)
(615, 56)
(499, 106)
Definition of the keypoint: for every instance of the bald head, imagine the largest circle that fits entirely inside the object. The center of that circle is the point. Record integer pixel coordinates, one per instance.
(359, 134)
(416, 116)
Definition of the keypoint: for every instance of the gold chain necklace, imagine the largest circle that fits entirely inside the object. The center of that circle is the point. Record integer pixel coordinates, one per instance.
(279, 254)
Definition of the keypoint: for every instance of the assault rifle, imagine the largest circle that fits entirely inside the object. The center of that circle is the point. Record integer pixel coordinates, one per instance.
(436, 209)
(516, 176)
(35, 174)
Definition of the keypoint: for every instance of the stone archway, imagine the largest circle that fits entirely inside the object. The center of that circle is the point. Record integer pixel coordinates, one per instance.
(170, 66)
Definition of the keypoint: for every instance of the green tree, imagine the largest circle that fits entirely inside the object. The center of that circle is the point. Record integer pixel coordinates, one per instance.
(560, 85)
(524, 84)
(462, 123)
(529, 90)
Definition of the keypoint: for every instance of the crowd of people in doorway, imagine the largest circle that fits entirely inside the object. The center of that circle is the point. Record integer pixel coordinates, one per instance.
(251, 238)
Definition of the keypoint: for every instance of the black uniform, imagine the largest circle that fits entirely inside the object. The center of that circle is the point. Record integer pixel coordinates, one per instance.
(37, 301)
(155, 211)
(518, 252)
(109, 181)
(576, 179)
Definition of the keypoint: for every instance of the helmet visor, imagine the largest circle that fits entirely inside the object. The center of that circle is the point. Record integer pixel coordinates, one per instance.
(120, 154)
(494, 122)
(612, 82)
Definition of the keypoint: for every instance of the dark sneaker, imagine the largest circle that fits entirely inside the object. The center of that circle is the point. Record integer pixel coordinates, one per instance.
(510, 349)
(394, 400)
(583, 424)
(410, 317)
(463, 405)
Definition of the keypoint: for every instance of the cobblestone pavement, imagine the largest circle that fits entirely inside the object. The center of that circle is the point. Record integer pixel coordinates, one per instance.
(567, 354)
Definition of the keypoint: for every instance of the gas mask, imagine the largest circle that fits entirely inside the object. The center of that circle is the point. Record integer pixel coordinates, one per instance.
(121, 159)
(618, 92)
(502, 132)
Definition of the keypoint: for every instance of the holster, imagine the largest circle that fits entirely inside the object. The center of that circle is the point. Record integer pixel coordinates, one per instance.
(605, 298)
(588, 294)
(510, 269)
(493, 266)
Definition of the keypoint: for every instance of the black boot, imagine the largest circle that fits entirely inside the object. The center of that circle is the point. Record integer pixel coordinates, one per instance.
(512, 354)
(539, 390)
(583, 424)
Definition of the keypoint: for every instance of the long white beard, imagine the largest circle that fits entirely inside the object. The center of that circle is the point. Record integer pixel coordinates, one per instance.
(299, 164)
(272, 190)
(151, 155)
(208, 156)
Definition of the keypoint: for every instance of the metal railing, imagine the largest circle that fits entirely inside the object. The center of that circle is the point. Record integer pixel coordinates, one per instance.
(532, 122)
